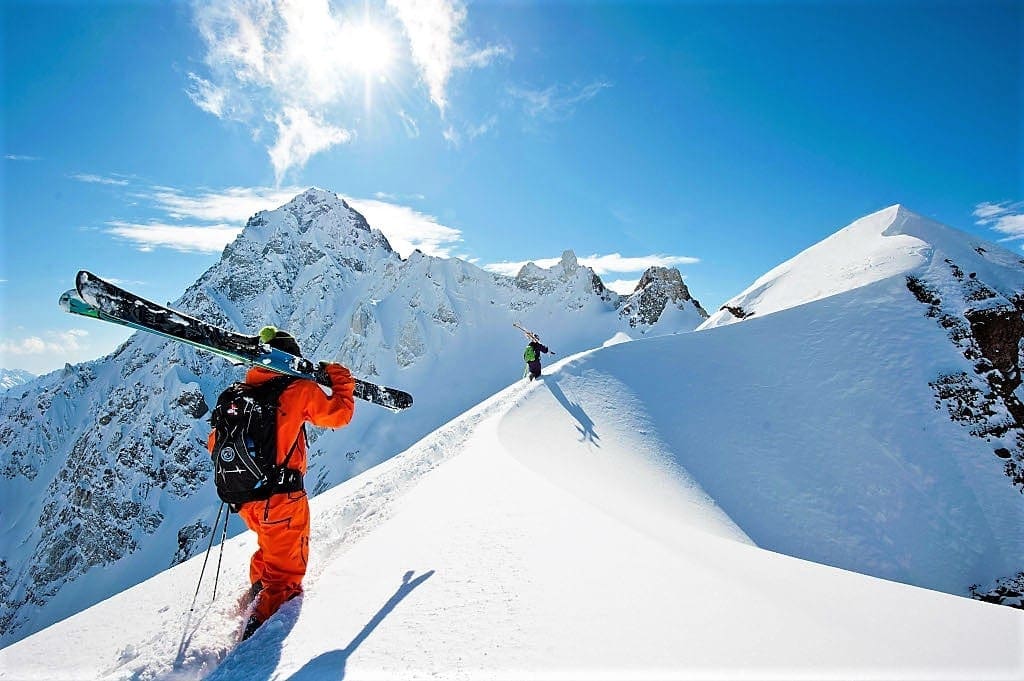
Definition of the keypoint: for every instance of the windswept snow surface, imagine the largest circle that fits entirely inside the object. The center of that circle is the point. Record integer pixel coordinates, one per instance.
(597, 524)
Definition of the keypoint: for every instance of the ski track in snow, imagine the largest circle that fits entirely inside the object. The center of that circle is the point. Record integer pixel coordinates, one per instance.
(211, 634)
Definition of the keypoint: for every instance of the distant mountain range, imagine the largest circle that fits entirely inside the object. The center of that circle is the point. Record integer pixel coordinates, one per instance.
(13, 377)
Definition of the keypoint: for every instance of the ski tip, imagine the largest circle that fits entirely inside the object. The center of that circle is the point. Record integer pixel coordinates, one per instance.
(82, 278)
(71, 302)
(65, 299)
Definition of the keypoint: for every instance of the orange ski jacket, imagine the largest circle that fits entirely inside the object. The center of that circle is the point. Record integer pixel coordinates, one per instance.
(304, 400)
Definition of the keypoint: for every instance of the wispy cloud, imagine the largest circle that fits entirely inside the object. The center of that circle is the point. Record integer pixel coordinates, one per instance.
(300, 135)
(99, 179)
(613, 263)
(387, 196)
(412, 128)
(206, 220)
(224, 212)
(302, 68)
(623, 286)
(55, 342)
(556, 102)
(21, 157)
(1005, 217)
(407, 229)
(233, 204)
(209, 97)
(184, 238)
(468, 131)
(434, 30)
(475, 131)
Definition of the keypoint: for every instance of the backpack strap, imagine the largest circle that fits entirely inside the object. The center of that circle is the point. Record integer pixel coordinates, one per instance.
(288, 479)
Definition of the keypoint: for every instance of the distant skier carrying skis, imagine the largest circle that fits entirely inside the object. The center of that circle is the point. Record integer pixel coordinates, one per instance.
(281, 522)
(532, 353)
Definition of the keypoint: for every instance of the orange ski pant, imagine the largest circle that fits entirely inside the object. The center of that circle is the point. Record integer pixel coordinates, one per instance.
(281, 524)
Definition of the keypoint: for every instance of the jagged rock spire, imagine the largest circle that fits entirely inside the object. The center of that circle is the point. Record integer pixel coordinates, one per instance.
(658, 288)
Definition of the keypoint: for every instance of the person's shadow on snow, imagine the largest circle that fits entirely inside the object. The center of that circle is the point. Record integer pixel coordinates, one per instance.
(331, 665)
(585, 427)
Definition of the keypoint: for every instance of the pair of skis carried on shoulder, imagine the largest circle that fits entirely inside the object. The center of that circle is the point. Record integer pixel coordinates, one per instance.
(530, 335)
(99, 299)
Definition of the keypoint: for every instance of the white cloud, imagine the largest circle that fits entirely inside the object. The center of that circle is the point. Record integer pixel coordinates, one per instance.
(289, 64)
(412, 129)
(184, 238)
(478, 130)
(612, 263)
(432, 27)
(452, 136)
(623, 286)
(21, 157)
(557, 101)
(306, 67)
(1004, 217)
(234, 204)
(604, 264)
(55, 341)
(387, 196)
(299, 136)
(407, 229)
(208, 96)
(99, 179)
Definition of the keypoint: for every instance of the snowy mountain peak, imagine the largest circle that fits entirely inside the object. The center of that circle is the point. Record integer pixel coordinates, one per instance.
(531, 277)
(892, 242)
(669, 278)
(568, 263)
(659, 289)
(315, 216)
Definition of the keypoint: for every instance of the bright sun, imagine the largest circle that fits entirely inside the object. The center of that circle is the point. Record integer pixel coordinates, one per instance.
(368, 47)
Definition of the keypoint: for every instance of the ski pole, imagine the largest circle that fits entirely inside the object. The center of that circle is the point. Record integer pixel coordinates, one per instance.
(213, 533)
(223, 536)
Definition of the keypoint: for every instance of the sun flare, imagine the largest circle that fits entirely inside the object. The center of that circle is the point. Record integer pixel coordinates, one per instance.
(369, 48)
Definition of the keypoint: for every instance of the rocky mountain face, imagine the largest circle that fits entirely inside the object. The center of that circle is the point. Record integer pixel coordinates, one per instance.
(103, 466)
(659, 289)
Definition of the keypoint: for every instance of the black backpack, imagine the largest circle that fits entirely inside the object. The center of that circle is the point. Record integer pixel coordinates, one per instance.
(245, 445)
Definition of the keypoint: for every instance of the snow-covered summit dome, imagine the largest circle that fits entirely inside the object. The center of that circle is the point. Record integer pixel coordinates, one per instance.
(892, 242)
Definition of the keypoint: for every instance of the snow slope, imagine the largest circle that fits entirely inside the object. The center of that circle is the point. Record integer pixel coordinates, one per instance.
(571, 528)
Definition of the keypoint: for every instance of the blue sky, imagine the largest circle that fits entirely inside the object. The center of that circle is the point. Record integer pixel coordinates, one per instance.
(721, 137)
